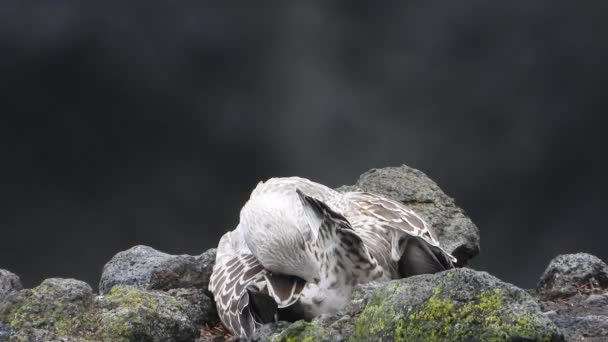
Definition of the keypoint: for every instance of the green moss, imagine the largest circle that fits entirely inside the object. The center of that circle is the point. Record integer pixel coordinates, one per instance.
(120, 296)
(441, 319)
(377, 317)
(300, 331)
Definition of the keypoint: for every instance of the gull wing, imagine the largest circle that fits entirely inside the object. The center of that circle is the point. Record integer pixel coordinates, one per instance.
(368, 210)
(246, 294)
(233, 275)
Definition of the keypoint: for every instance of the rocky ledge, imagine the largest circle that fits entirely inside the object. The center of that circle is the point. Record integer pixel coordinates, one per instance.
(147, 295)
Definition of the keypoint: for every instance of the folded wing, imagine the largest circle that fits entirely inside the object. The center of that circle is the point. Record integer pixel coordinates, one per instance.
(246, 294)
(392, 222)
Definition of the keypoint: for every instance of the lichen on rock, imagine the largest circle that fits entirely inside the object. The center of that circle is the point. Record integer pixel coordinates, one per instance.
(301, 331)
(133, 314)
(57, 307)
(441, 319)
(67, 309)
(455, 305)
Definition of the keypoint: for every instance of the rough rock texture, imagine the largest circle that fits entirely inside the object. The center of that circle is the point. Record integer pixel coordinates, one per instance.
(9, 282)
(133, 314)
(456, 305)
(57, 307)
(67, 310)
(566, 273)
(580, 317)
(146, 268)
(573, 292)
(456, 232)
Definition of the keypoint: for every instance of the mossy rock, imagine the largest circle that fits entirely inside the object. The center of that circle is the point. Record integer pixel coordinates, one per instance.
(441, 319)
(67, 310)
(456, 305)
(57, 307)
(136, 315)
(301, 332)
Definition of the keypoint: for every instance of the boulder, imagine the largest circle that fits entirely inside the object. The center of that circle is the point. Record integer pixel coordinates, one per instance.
(455, 305)
(57, 307)
(568, 274)
(67, 310)
(580, 317)
(9, 282)
(573, 293)
(454, 229)
(146, 268)
(131, 314)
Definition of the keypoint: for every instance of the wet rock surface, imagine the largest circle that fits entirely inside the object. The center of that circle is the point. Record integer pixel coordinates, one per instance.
(454, 229)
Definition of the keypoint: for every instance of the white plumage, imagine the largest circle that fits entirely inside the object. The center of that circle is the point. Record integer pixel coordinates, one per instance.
(300, 247)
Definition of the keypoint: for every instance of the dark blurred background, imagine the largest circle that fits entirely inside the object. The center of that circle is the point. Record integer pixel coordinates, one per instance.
(146, 122)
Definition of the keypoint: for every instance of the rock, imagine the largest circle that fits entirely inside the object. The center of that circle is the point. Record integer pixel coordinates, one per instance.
(569, 273)
(574, 290)
(198, 298)
(456, 232)
(146, 268)
(580, 317)
(455, 305)
(265, 332)
(4, 332)
(67, 310)
(57, 307)
(131, 314)
(9, 282)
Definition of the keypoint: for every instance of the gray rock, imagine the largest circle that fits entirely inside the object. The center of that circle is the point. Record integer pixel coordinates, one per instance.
(56, 307)
(130, 314)
(9, 282)
(580, 317)
(206, 313)
(569, 273)
(146, 268)
(67, 310)
(456, 232)
(267, 330)
(4, 332)
(455, 305)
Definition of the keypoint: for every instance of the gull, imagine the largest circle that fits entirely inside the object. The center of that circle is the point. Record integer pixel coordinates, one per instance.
(300, 247)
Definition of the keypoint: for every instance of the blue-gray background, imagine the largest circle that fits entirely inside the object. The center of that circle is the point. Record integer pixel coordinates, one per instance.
(146, 122)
